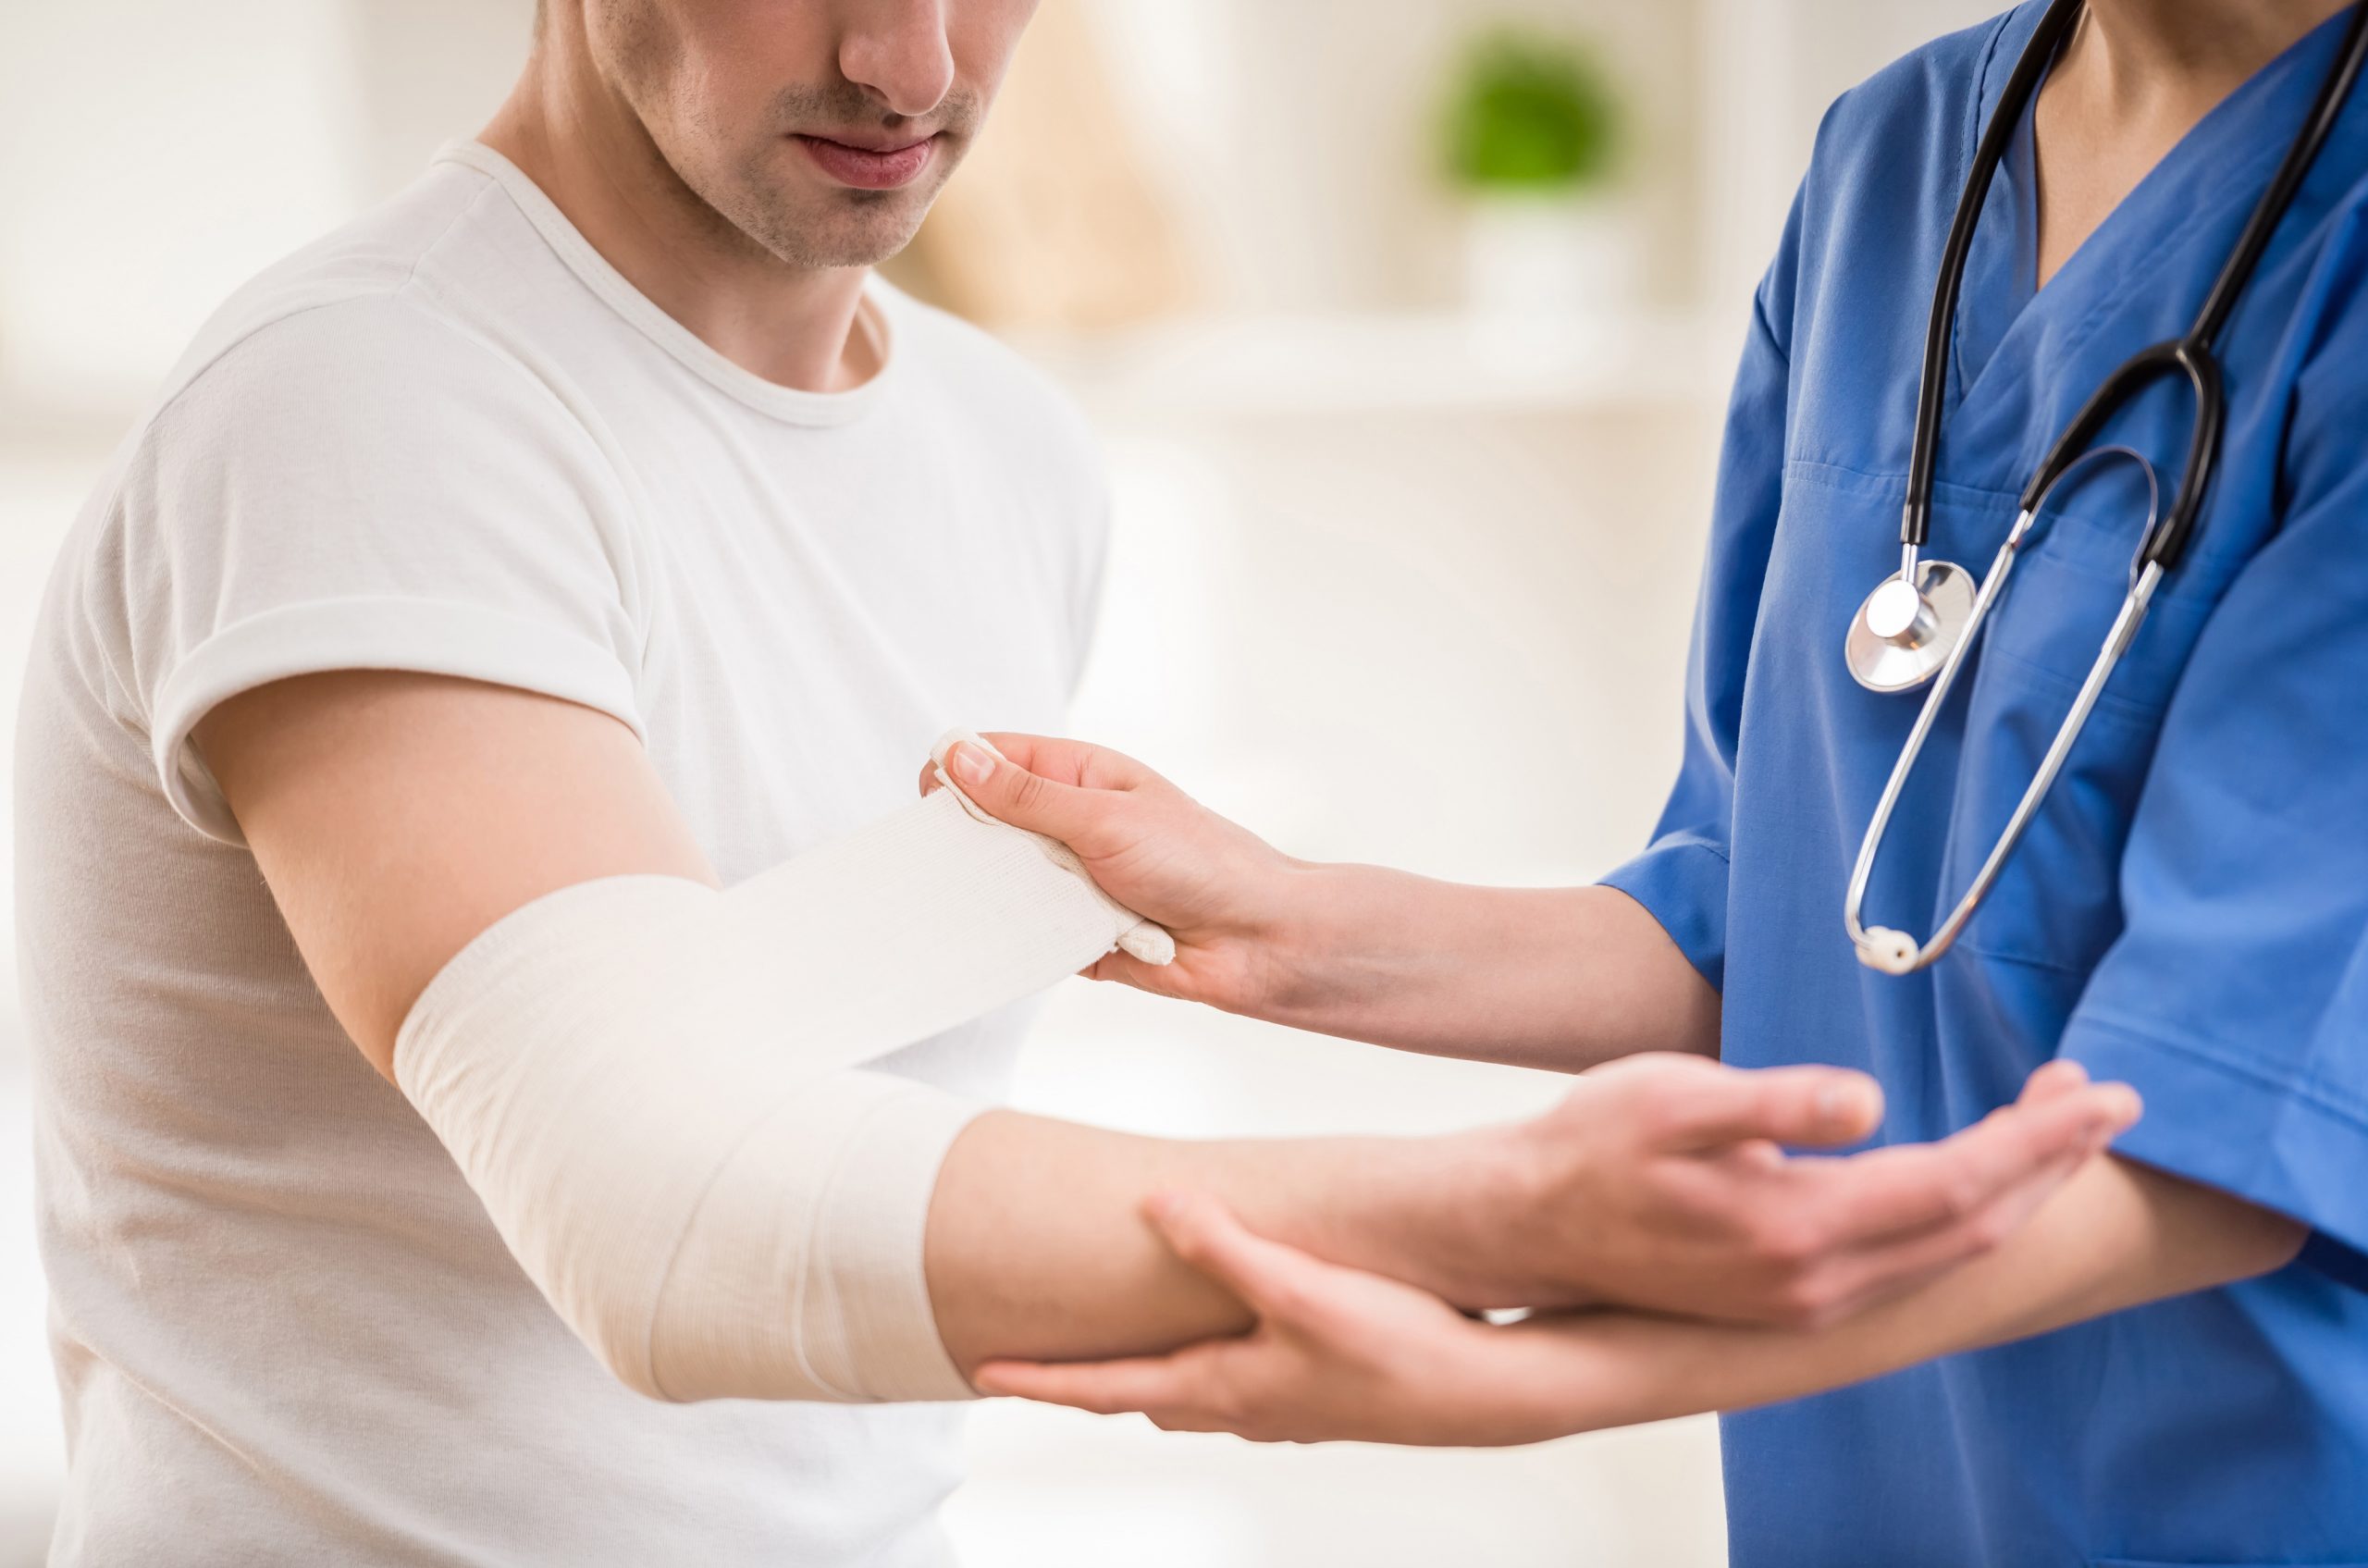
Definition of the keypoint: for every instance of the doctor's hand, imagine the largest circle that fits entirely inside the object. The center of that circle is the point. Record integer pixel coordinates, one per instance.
(1223, 893)
(1336, 1354)
(1667, 1182)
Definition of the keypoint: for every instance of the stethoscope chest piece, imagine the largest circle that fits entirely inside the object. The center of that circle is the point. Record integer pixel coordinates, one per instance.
(1901, 636)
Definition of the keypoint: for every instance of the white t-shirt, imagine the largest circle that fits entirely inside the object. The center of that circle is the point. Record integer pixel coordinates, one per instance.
(450, 438)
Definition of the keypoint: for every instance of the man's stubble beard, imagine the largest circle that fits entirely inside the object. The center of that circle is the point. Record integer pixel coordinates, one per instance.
(839, 227)
(834, 228)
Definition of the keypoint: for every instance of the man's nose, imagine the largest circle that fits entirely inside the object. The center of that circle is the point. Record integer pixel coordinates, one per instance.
(896, 51)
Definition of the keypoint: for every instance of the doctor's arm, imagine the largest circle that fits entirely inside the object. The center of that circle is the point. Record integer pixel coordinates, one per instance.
(1340, 1354)
(402, 820)
(1560, 977)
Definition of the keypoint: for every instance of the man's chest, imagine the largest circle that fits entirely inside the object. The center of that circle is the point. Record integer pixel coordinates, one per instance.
(812, 628)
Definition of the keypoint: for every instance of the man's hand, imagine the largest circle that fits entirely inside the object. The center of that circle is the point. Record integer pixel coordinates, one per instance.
(1663, 1182)
(1223, 893)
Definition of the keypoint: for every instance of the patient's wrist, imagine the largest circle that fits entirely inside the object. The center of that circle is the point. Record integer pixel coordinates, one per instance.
(1434, 1213)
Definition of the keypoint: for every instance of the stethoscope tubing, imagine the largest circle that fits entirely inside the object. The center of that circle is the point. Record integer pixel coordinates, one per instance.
(1894, 952)
(2189, 354)
(2164, 541)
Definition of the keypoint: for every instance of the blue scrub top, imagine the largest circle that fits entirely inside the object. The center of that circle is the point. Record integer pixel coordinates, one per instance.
(2189, 913)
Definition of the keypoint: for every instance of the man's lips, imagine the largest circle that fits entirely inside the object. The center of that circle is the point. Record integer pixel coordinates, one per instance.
(869, 168)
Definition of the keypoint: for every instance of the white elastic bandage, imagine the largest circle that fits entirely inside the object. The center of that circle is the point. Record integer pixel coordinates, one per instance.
(654, 1089)
(1137, 936)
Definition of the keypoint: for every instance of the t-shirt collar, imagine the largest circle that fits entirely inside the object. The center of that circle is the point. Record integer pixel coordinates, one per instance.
(794, 404)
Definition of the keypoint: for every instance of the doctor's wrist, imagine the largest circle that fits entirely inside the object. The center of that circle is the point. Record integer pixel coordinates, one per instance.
(1370, 953)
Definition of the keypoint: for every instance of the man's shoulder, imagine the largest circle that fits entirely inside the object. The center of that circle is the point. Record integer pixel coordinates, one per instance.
(356, 278)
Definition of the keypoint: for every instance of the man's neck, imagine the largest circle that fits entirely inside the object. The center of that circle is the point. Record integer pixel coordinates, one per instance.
(574, 136)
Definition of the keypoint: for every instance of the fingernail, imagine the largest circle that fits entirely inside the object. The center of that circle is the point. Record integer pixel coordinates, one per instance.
(1841, 1103)
(969, 764)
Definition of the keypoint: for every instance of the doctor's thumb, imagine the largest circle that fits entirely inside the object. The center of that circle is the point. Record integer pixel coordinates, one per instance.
(1010, 793)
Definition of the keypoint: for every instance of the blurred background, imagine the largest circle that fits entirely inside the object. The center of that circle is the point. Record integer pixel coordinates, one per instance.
(1407, 325)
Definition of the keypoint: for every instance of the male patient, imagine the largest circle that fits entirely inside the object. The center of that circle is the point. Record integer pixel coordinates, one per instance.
(578, 536)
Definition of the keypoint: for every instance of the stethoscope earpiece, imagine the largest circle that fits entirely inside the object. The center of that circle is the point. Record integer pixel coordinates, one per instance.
(1891, 952)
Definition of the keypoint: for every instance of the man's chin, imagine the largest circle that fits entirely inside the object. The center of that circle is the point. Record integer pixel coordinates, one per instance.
(848, 228)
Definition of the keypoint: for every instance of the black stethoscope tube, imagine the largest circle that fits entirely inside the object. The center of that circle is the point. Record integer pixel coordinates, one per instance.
(2188, 355)
(1915, 517)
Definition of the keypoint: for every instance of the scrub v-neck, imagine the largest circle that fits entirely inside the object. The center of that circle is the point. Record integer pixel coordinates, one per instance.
(2001, 301)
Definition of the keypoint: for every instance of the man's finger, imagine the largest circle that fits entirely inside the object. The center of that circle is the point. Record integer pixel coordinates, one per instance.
(1813, 1105)
(1895, 1192)
(1276, 1281)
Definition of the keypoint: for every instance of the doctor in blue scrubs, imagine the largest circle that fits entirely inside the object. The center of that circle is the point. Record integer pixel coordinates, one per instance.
(2169, 1362)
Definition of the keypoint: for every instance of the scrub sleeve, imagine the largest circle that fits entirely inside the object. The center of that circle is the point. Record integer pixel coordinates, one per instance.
(1680, 879)
(2236, 998)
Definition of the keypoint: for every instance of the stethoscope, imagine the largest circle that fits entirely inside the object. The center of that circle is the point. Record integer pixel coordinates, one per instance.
(1919, 625)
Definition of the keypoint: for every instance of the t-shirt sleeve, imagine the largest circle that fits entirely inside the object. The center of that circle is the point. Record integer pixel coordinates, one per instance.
(2236, 998)
(364, 486)
(1681, 878)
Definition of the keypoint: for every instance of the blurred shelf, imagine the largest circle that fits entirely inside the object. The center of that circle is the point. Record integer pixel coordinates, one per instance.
(1283, 365)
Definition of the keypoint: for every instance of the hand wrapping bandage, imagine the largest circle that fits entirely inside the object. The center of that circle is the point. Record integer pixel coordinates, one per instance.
(655, 1090)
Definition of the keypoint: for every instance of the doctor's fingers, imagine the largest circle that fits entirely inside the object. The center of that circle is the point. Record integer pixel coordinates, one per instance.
(1006, 790)
(1900, 1192)
(1277, 1282)
(2058, 1075)
(1192, 1383)
(1078, 762)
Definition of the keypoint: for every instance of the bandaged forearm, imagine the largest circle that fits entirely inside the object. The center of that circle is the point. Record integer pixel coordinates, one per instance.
(655, 1089)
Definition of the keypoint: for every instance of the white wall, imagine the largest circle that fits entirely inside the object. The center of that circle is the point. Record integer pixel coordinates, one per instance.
(1303, 136)
(1768, 69)
(151, 155)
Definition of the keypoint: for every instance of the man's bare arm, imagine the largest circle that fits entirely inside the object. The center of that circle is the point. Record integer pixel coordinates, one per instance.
(397, 816)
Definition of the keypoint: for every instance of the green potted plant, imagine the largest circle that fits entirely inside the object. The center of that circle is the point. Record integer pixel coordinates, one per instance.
(1533, 140)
